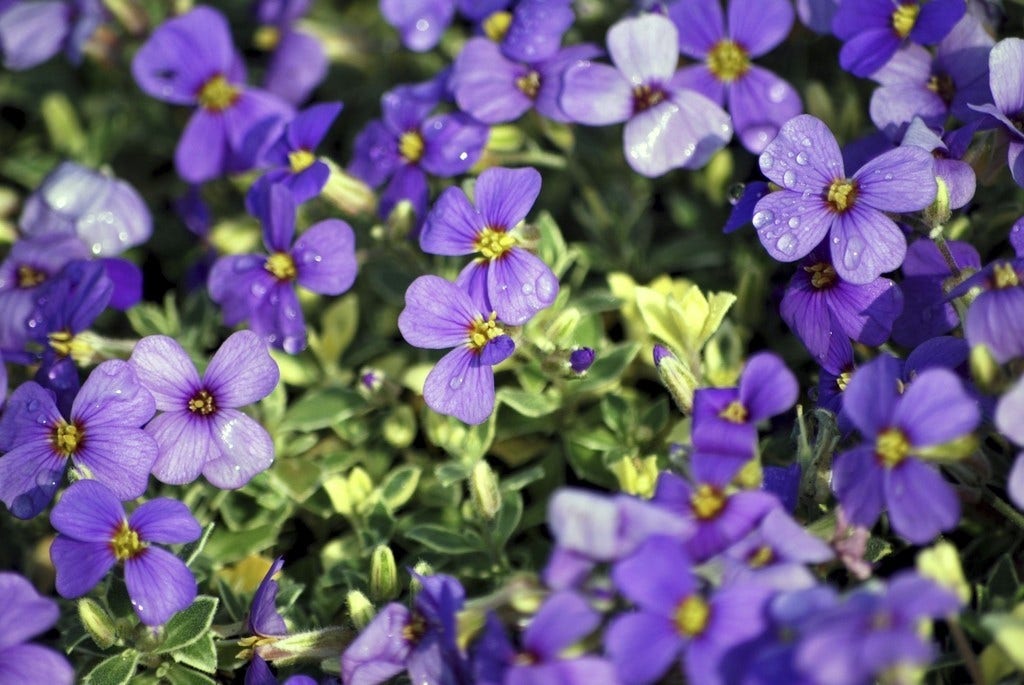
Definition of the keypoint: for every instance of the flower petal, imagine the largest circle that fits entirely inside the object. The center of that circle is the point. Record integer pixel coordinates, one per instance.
(804, 157)
(562, 620)
(790, 225)
(871, 395)
(760, 103)
(437, 314)
(657, 576)
(865, 244)
(520, 284)
(921, 503)
(596, 94)
(79, 565)
(244, 448)
(900, 180)
(241, 371)
(166, 521)
(857, 482)
(460, 386)
(760, 25)
(164, 368)
(185, 446)
(325, 257)
(203, 149)
(112, 395)
(935, 409)
(159, 585)
(119, 457)
(1006, 73)
(452, 226)
(26, 613)
(29, 477)
(645, 48)
(484, 83)
(682, 132)
(34, 664)
(504, 196)
(700, 24)
(767, 387)
(642, 646)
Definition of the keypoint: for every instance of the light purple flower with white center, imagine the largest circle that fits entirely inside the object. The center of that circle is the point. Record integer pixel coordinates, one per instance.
(439, 314)
(1009, 420)
(200, 429)
(1006, 81)
(668, 126)
(94, 534)
(818, 200)
(27, 614)
(518, 283)
(101, 438)
(758, 100)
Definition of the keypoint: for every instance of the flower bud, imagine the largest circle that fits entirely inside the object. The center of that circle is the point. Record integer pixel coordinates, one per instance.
(984, 367)
(97, 622)
(346, 192)
(941, 563)
(360, 610)
(580, 359)
(383, 574)
(483, 490)
(679, 380)
(938, 212)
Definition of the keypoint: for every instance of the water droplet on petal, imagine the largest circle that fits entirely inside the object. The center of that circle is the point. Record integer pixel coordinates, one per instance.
(736, 192)
(763, 217)
(786, 244)
(455, 382)
(789, 178)
(767, 161)
(793, 222)
(806, 142)
(801, 158)
(854, 249)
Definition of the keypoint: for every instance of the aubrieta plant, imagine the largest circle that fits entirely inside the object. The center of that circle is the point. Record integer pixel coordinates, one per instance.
(460, 383)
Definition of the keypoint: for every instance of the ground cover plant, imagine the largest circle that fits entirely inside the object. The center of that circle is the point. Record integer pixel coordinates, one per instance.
(511, 342)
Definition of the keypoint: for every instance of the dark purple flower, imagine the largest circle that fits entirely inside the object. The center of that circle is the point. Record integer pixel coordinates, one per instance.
(1009, 418)
(819, 201)
(420, 641)
(407, 143)
(438, 315)
(743, 209)
(581, 359)
(190, 60)
(825, 310)
(676, 618)
(101, 437)
(298, 63)
(259, 673)
(887, 472)
(263, 619)
(873, 30)
(33, 32)
(995, 316)
(817, 15)
(516, 283)
(758, 100)
(261, 288)
(201, 429)
(784, 483)
(25, 615)
(668, 126)
(1007, 84)
(94, 534)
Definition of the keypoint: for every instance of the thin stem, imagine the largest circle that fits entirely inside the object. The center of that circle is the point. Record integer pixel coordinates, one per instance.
(964, 648)
(1014, 516)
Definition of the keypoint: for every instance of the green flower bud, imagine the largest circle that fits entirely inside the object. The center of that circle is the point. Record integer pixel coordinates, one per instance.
(938, 212)
(383, 574)
(348, 193)
(984, 367)
(679, 380)
(483, 490)
(360, 610)
(97, 622)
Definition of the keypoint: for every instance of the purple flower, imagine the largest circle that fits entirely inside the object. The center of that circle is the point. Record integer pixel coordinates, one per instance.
(261, 288)
(420, 22)
(190, 60)
(298, 63)
(439, 314)
(873, 30)
(420, 641)
(817, 14)
(518, 283)
(407, 143)
(94, 534)
(948, 151)
(775, 554)
(743, 205)
(263, 619)
(25, 615)
(818, 200)
(1009, 418)
(259, 673)
(201, 429)
(887, 473)
(676, 618)
(668, 126)
(758, 100)
(995, 316)
(101, 437)
(33, 32)
(825, 310)
(581, 359)
(1007, 84)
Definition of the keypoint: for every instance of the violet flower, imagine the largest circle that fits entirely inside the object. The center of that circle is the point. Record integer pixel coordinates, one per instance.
(824, 310)
(263, 619)
(818, 200)
(872, 30)
(261, 288)
(668, 126)
(33, 32)
(1009, 419)
(439, 314)
(887, 472)
(190, 60)
(775, 554)
(200, 429)
(93, 534)
(27, 614)
(516, 283)
(817, 15)
(758, 100)
(419, 22)
(948, 150)
(101, 437)
(1007, 84)
(298, 62)
(994, 317)
(259, 673)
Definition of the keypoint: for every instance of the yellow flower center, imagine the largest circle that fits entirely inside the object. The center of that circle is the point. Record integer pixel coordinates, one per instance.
(126, 543)
(645, 97)
(728, 61)
(891, 447)
(410, 146)
(300, 160)
(692, 616)
(1004, 276)
(281, 265)
(496, 25)
(415, 629)
(943, 86)
(66, 438)
(492, 243)
(529, 85)
(67, 345)
(735, 412)
(707, 502)
(843, 379)
(202, 403)
(483, 331)
(761, 557)
(841, 194)
(903, 19)
(266, 38)
(217, 94)
(822, 275)
(29, 277)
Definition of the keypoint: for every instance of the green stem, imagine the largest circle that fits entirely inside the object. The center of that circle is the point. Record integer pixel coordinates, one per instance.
(1014, 516)
(963, 646)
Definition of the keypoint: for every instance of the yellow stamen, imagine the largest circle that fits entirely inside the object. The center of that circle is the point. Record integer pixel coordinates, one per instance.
(496, 25)
(707, 502)
(492, 243)
(903, 19)
(67, 345)
(841, 194)
(943, 86)
(761, 557)
(415, 629)
(266, 38)
(645, 97)
(217, 94)
(202, 403)
(692, 616)
(126, 543)
(822, 275)
(300, 160)
(410, 146)
(843, 379)
(281, 265)
(29, 277)
(891, 447)
(482, 332)
(728, 61)
(1004, 276)
(529, 85)
(66, 438)
(735, 412)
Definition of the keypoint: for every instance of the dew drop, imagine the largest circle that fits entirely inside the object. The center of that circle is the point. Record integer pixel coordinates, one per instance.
(736, 192)
(888, 177)
(789, 178)
(32, 405)
(455, 382)
(801, 158)
(763, 217)
(854, 248)
(527, 289)
(806, 142)
(793, 222)
(767, 161)
(786, 244)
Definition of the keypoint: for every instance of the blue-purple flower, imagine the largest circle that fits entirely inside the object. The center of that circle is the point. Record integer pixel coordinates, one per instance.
(994, 317)
(1007, 85)
(33, 32)
(200, 429)
(263, 619)
(1009, 418)
(25, 615)
(298, 62)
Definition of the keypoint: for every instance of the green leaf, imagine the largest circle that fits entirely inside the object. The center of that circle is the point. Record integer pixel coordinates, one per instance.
(337, 328)
(441, 539)
(228, 546)
(116, 670)
(399, 486)
(201, 654)
(1008, 632)
(607, 369)
(1003, 581)
(528, 404)
(323, 408)
(193, 549)
(177, 674)
(189, 625)
(508, 518)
